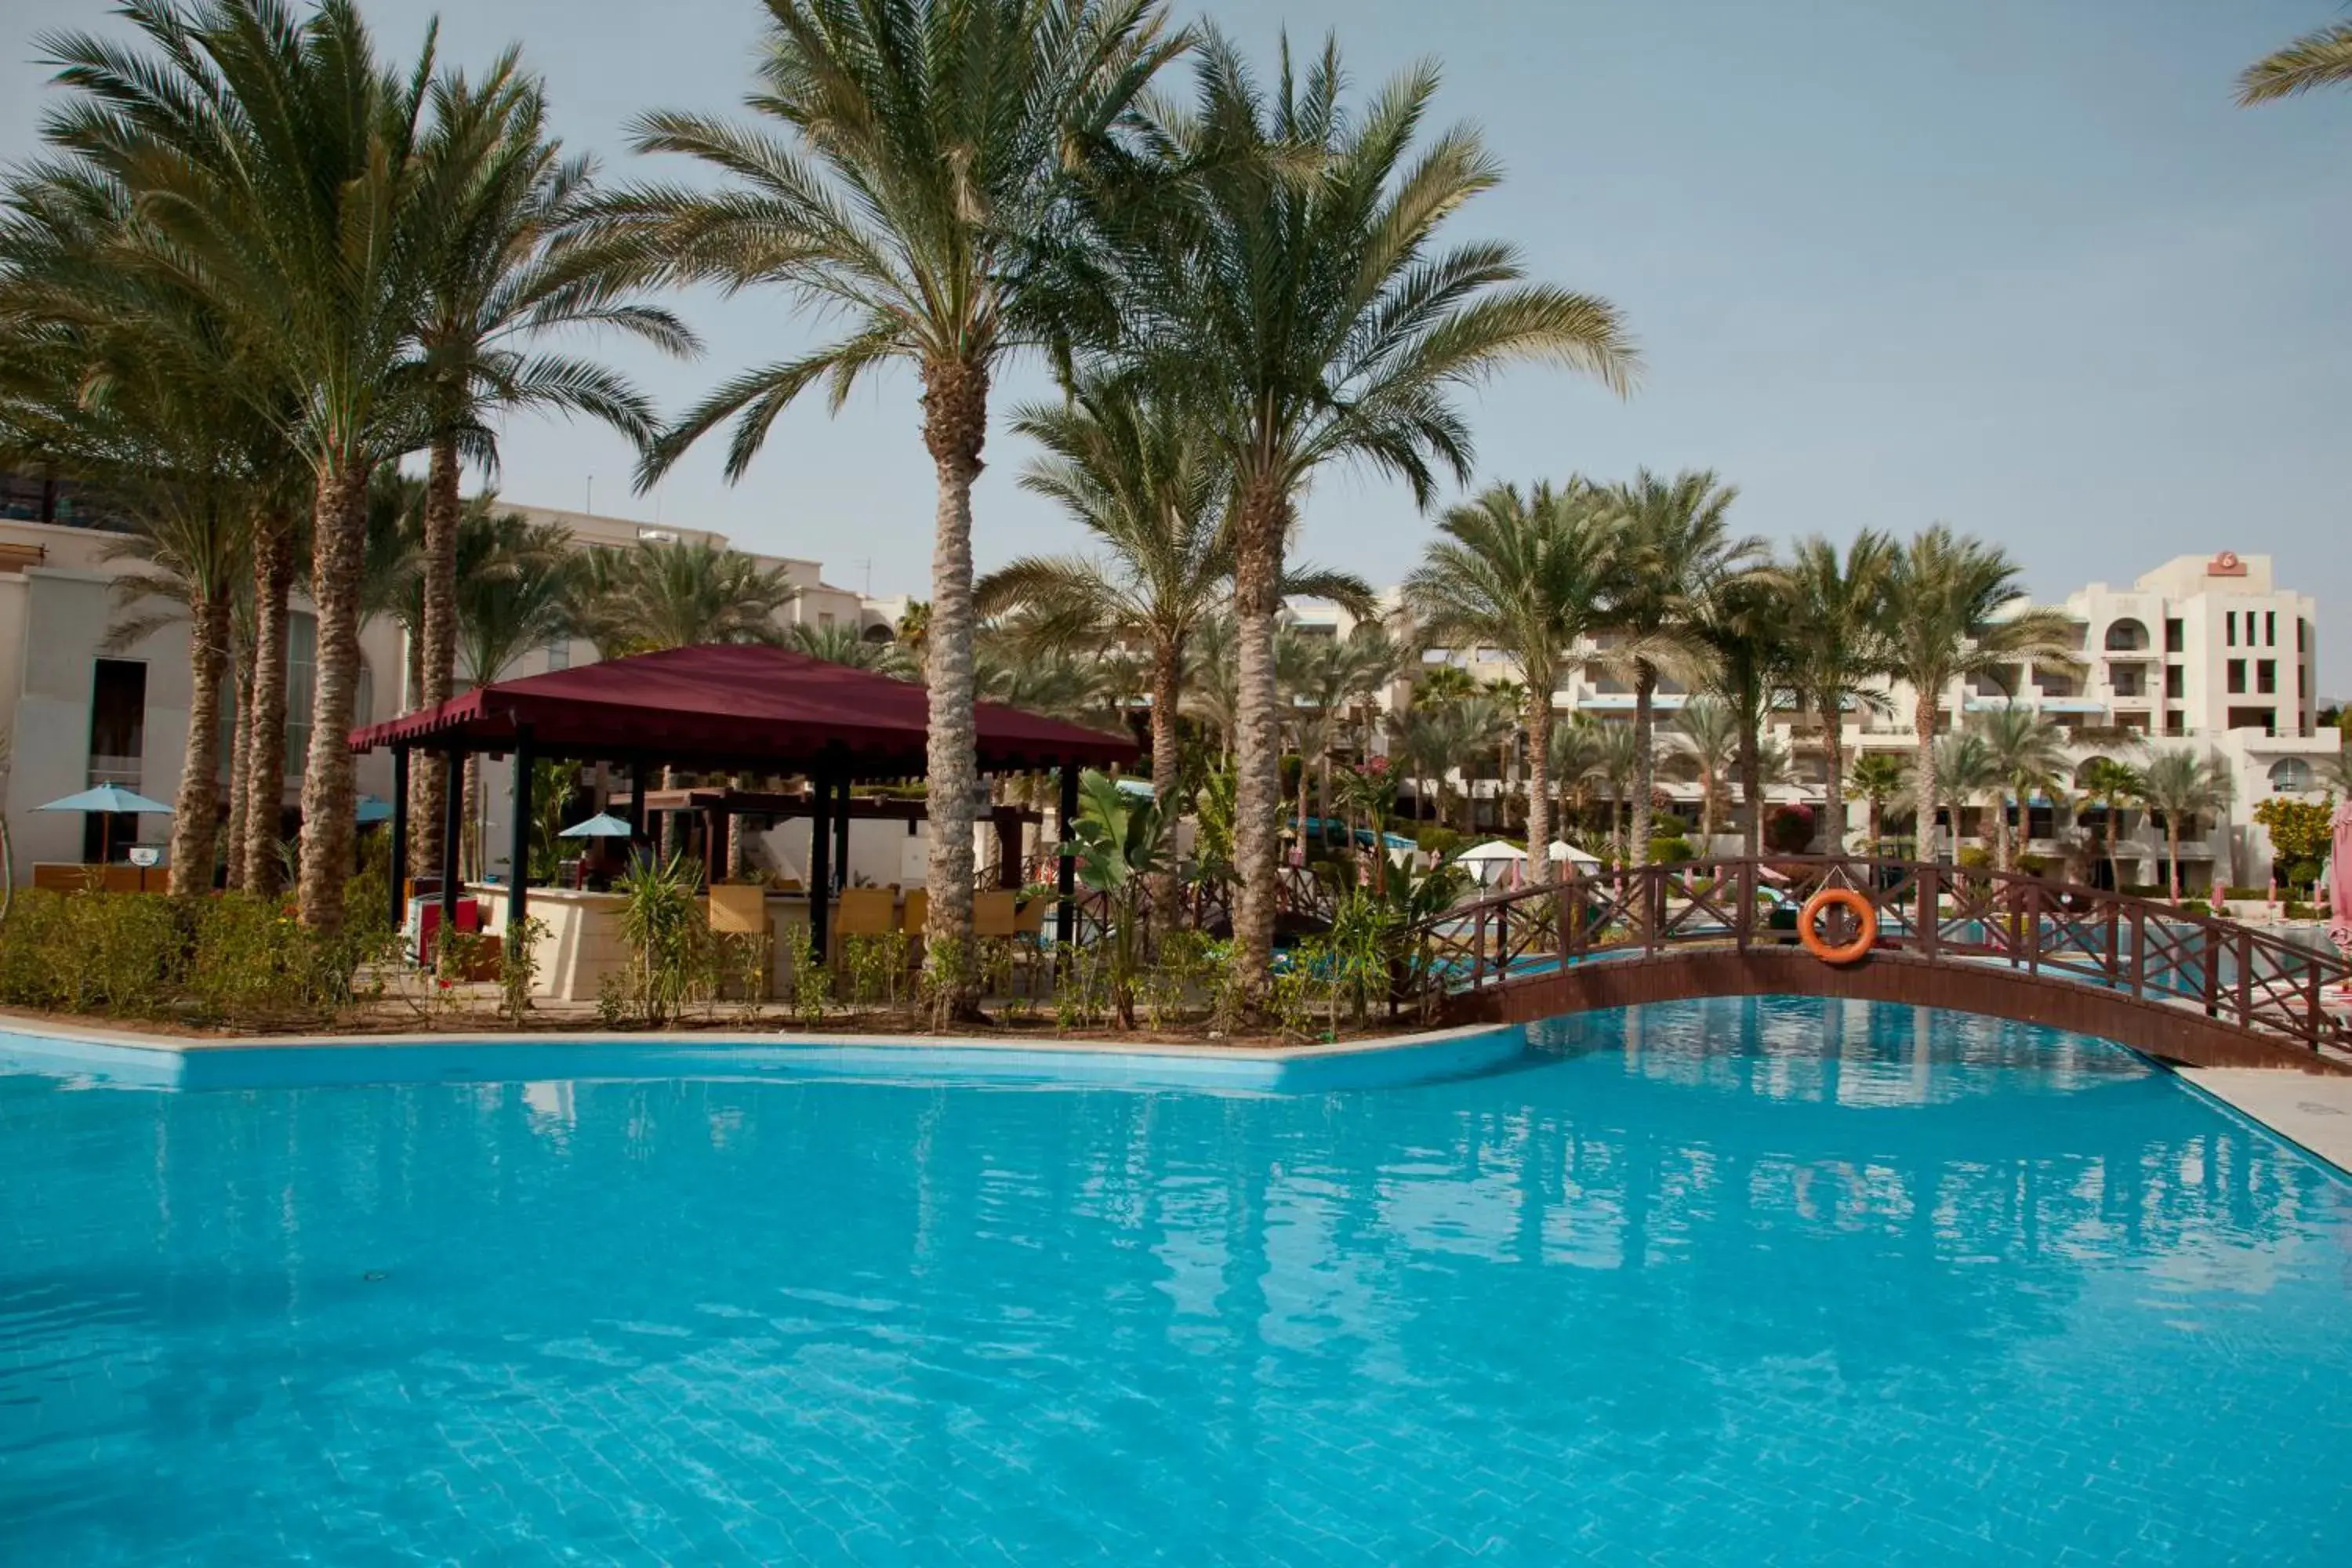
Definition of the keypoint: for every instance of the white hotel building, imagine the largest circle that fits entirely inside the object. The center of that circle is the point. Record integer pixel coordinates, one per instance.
(2202, 652)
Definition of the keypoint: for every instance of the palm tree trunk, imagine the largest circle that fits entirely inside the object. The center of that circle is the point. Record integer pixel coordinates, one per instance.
(1877, 824)
(1257, 747)
(196, 822)
(469, 813)
(1645, 765)
(339, 540)
(955, 425)
(1751, 782)
(1167, 692)
(266, 745)
(1923, 784)
(2000, 829)
(1540, 833)
(240, 765)
(1833, 800)
(2172, 852)
(437, 652)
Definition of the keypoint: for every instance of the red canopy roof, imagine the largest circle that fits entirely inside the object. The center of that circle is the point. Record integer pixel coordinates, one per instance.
(737, 705)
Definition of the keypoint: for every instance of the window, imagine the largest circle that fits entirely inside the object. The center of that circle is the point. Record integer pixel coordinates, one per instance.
(2237, 677)
(2231, 621)
(2176, 635)
(118, 721)
(2176, 683)
(2174, 724)
(2270, 628)
(2262, 719)
(2126, 636)
(2290, 775)
(2301, 635)
(559, 654)
(2266, 677)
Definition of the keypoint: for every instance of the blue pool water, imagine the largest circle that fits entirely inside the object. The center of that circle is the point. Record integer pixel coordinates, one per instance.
(1726, 1283)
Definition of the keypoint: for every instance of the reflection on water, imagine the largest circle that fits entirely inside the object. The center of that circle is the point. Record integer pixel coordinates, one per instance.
(1817, 1273)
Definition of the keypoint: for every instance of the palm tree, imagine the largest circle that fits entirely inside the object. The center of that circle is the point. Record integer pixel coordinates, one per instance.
(2320, 58)
(660, 594)
(500, 269)
(1878, 777)
(2111, 784)
(517, 591)
(274, 166)
(930, 191)
(1675, 552)
(1743, 632)
(1837, 652)
(2180, 786)
(1126, 468)
(125, 384)
(2027, 753)
(1710, 735)
(1953, 611)
(1295, 302)
(1962, 769)
(1622, 765)
(1324, 679)
(1525, 573)
(841, 645)
(1573, 762)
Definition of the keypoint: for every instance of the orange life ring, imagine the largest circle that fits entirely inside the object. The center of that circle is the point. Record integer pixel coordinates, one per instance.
(1866, 921)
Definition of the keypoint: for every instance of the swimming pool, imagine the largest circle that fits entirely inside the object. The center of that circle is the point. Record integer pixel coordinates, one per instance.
(1713, 1281)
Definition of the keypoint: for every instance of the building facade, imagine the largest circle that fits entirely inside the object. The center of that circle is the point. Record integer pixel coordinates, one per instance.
(2207, 653)
(80, 711)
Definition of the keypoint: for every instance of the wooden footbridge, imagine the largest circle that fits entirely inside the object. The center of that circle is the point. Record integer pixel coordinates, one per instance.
(2179, 986)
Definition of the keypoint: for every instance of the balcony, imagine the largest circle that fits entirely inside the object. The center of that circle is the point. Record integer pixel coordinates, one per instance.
(122, 771)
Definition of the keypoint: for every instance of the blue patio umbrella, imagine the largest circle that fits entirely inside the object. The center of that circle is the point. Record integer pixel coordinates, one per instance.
(603, 824)
(373, 810)
(115, 801)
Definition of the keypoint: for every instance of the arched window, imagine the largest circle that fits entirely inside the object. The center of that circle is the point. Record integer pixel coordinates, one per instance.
(2292, 775)
(2127, 636)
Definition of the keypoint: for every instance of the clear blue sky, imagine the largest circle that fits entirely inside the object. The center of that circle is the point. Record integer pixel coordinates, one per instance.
(2018, 265)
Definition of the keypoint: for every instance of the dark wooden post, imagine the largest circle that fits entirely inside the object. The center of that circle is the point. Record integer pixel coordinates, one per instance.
(453, 824)
(518, 836)
(1066, 869)
(820, 867)
(2244, 941)
(2210, 969)
(1929, 922)
(2030, 923)
(1570, 883)
(636, 813)
(397, 874)
(2139, 949)
(841, 831)
(1745, 883)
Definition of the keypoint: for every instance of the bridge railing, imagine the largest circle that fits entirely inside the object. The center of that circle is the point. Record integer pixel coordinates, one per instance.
(2258, 981)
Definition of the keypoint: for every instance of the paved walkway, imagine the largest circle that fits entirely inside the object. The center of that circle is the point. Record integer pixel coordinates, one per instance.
(2309, 1108)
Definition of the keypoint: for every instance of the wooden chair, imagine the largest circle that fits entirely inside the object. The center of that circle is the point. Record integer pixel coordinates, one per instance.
(862, 911)
(742, 908)
(911, 921)
(995, 913)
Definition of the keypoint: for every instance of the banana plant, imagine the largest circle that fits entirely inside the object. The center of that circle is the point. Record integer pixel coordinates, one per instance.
(1119, 841)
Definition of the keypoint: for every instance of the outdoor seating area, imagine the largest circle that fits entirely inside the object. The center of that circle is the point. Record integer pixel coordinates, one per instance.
(744, 708)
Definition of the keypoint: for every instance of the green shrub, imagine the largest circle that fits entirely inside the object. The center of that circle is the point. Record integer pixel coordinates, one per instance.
(2298, 910)
(229, 959)
(2195, 907)
(2141, 890)
(1670, 851)
(1668, 825)
(1975, 858)
(2248, 894)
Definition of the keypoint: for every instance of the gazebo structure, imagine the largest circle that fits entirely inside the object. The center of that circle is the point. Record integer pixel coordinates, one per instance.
(729, 708)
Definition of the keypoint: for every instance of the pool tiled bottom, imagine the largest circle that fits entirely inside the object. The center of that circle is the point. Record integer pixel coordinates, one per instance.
(1729, 1282)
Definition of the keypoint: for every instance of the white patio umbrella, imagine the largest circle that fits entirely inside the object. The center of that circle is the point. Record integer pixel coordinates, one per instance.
(1562, 850)
(1491, 861)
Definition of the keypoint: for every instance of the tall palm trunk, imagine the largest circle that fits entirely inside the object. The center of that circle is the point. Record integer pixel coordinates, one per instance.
(1257, 746)
(1167, 691)
(273, 581)
(1751, 782)
(1538, 783)
(196, 822)
(240, 765)
(436, 654)
(1922, 735)
(1877, 824)
(338, 545)
(1645, 764)
(2000, 856)
(955, 425)
(2172, 851)
(1833, 798)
